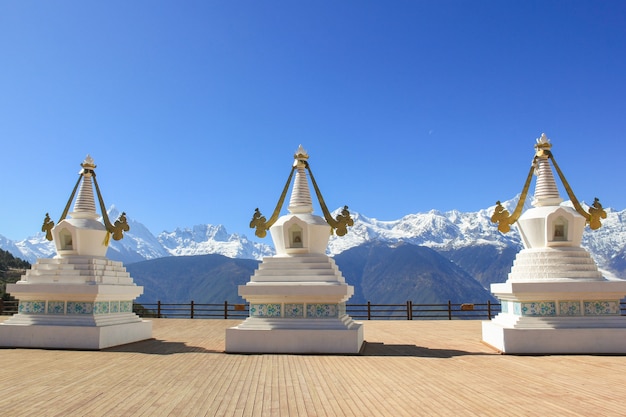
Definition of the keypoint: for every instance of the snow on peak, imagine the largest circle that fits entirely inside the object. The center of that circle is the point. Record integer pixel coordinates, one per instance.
(435, 229)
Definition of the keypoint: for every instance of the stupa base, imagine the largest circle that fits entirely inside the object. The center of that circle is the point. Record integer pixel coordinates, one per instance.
(73, 337)
(305, 336)
(591, 340)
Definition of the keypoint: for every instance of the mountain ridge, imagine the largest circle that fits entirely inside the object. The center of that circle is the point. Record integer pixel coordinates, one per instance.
(455, 234)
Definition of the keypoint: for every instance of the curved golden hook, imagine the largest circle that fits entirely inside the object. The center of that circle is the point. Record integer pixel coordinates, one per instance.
(121, 224)
(501, 215)
(343, 220)
(595, 212)
(504, 220)
(258, 220)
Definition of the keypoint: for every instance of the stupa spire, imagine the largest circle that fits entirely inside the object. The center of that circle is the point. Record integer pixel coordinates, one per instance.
(300, 201)
(85, 205)
(546, 191)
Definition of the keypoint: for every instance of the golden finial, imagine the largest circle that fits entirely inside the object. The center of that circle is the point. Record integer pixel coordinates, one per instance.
(88, 163)
(301, 153)
(300, 158)
(543, 147)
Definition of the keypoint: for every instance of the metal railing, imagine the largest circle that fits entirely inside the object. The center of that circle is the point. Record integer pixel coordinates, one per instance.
(411, 311)
(192, 310)
(368, 311)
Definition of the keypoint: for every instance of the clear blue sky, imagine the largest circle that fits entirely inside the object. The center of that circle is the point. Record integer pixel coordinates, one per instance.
(192, 110)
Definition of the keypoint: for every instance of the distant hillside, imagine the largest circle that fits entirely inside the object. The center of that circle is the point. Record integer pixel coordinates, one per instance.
(11, 269)
(8, 261)
(488, 264)
(385, 274)
(202, 278)
(380, 273)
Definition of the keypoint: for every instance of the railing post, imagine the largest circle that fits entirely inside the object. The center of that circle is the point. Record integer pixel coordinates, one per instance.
(191, 308)
(225, 310)
(369, 310)
(408, 310)
(449, 310)
(489, 309)
(159, 309)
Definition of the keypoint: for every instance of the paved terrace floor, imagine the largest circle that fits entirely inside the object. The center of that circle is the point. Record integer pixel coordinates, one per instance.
(407, 368)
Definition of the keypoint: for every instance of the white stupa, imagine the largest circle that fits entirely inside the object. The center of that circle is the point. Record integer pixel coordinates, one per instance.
(555, 300)
(79, 299)
(297, 297)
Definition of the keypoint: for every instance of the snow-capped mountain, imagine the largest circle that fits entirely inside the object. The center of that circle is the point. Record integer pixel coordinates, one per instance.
(204, 239)
(434, 229)
(139, 244)
(443, 231)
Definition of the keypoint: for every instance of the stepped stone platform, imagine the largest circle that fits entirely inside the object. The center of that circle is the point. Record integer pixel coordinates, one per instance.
(405, 368)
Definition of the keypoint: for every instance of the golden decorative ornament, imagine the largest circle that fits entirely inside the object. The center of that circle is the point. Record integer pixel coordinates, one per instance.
(543, 150)
(116, 230)
(339, 225)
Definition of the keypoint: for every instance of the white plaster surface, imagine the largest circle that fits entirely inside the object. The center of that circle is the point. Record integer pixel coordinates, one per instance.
(79, 299)
(555, 300)
(554, 340)
(297, 298)
(74, 279)
(48, 336)
(295, 340)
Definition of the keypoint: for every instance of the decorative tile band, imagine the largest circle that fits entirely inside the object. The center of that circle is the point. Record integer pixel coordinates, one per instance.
(322, 311)
(74, 307)
(79, 307)
(32, 307)
(535, 308)
(601, 308)
(56, 307)
(265, 310)
(294, 311)
(342, 309)
(126, 306)
(298, 310)
(101, 307)
(569, 308)
(539, 308)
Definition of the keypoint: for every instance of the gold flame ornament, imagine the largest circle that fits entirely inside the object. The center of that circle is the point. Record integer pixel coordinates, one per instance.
(47, 226)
